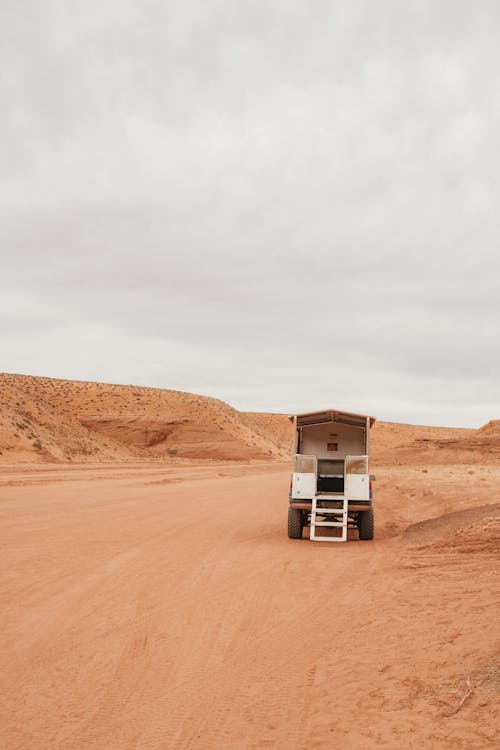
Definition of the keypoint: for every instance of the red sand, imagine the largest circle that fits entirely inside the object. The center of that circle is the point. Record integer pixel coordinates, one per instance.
(158, 604)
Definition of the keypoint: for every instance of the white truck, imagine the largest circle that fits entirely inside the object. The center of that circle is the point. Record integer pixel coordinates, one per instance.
(331, 487)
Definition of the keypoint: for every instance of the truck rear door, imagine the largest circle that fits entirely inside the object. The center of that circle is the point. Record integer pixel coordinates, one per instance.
(357, 479)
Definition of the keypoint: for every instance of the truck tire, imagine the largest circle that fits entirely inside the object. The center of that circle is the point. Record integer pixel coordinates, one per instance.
(295, 523)
(366, 524)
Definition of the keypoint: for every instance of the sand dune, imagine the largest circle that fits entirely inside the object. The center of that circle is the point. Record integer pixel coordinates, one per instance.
(400, 444)
(47, 419)
(490, 428)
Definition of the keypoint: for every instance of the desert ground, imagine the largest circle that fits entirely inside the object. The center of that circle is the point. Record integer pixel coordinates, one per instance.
(151, 599)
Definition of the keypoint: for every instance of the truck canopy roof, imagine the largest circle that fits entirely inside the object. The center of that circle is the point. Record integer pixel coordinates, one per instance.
(332, 415)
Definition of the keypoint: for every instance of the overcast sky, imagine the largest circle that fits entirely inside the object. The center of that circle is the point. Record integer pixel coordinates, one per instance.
(287, 205)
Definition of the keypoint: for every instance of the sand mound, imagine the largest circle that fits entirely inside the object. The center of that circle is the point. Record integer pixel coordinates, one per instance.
(490, 428)
(47, 419)
(398, 444)
(184, 438)
(275, 427)
(472, 529)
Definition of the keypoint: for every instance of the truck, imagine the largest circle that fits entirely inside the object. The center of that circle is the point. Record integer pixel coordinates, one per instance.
(331, 484)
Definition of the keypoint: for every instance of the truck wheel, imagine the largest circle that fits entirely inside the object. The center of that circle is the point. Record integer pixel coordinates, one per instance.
(295, 523)
(366, 524)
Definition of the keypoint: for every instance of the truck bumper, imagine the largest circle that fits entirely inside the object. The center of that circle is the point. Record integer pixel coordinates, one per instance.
(354, 506)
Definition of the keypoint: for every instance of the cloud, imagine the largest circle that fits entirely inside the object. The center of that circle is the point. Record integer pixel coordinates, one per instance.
(280, 207)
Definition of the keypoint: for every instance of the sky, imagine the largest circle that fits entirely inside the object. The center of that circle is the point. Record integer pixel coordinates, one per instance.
(286, 205)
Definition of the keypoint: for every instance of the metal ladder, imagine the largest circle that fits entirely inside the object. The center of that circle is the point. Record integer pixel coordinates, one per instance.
(315, 511)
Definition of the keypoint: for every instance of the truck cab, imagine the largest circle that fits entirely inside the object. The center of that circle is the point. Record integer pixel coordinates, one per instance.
(331, 485)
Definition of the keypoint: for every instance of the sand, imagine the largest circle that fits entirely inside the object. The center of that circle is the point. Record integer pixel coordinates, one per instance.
(154, 601)
(146, 607)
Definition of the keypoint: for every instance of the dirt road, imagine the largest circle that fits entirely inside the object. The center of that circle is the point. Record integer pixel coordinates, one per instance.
(158, 608)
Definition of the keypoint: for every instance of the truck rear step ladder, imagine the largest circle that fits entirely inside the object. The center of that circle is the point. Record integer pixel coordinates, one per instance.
(342, 512)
